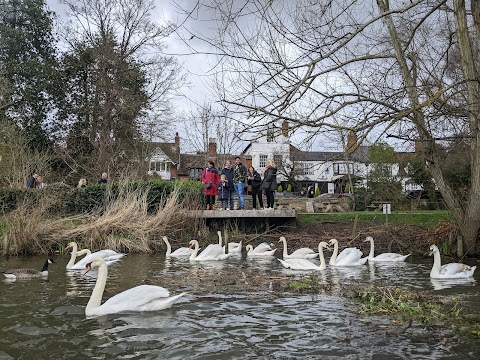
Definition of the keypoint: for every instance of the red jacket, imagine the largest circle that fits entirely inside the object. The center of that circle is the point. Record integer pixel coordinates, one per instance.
(211, 175)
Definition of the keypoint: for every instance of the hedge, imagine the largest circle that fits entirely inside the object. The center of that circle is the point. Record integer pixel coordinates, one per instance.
(63, 199)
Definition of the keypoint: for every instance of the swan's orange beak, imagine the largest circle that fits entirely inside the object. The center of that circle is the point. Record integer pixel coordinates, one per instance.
(68, 248)
(87, 268)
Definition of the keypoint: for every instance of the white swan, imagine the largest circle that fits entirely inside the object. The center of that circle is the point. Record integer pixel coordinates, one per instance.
(212, 252)
(28, 273)
(304, 253)
(233, 247)
(183, 251)
(109, 256)
(262, 249)
(448, 271)
(139, 298)
(348, 257)
(304, 264)
(385, 257)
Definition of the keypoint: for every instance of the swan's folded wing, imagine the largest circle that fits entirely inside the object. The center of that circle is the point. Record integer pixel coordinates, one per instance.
(134, 298)
(261, 248)
(453, 269)
(212, 251)
(387, 257)
(345, 252)
(183, 251)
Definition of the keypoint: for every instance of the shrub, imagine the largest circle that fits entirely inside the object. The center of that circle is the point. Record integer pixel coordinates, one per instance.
(289, 188)
(280, 188)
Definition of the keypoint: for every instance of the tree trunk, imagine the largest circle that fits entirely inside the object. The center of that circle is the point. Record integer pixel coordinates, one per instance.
(466, 216)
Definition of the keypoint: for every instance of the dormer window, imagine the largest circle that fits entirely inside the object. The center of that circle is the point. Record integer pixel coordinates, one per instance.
(270, 135)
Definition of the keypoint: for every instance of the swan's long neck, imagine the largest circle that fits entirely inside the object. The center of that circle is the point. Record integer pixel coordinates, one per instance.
(333, 259)
(97, 293)
(437, 261)
(322, 258)
(169, 247)
(371, 255)
(73, 256)
(195, 251)
(285, 251)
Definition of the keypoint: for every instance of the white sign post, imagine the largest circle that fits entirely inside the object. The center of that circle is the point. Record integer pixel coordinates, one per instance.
(331, 188)
(387, 209)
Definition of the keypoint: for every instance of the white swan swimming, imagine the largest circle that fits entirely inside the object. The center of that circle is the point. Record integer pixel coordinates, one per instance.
(385, 257)
(109, 256)
(262, 249)
(304, 264)
(303, 253)
(14, 274)
(448, 271)
(180, 252)
(233, 247)
(139, 298)
(212, 252)
(348, 257)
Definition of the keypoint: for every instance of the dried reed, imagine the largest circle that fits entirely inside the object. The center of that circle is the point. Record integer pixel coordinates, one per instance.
(123, 225)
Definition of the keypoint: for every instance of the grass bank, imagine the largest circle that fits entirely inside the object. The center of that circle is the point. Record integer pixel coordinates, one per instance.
(428, 219)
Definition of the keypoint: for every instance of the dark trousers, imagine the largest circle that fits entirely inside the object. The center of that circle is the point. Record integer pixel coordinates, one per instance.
(257, 192)
(210, 199)
(232, 198)
(270, 198)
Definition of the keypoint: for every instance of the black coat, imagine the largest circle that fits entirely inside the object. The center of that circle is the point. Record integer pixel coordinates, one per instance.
(257, 180)
(229, 175)
(270, 179)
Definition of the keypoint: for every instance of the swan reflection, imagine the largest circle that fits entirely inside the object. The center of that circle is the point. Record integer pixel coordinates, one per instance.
(440, 284)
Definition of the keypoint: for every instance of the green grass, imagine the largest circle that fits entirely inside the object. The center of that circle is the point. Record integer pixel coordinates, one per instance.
(426, 218)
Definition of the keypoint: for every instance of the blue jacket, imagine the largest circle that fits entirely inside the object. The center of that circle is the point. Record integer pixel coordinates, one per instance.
(229, 174)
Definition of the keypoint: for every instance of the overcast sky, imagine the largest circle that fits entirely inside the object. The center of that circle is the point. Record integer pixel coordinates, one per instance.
(184, 47)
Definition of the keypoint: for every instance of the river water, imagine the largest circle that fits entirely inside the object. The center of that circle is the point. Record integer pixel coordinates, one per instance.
(45, 319)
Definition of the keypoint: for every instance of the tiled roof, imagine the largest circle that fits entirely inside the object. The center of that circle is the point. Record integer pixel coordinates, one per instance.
(170, 149)
(360, 155)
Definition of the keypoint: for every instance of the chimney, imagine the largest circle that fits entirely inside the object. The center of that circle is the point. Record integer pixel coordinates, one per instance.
(351, 142)
(285, 128)
(177, 140)
(212, 147)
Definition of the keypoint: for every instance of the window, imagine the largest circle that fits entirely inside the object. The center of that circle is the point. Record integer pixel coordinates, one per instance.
(278, 160)
(263, 161)
(270, 135)
(342, 168)
(305, 169)
(195, 173)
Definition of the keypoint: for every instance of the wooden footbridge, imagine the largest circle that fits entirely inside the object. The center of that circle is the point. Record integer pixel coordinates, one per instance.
(242, 216)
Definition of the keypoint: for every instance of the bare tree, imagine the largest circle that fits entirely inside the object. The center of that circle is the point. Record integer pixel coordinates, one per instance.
(205, 123)
(407, 70)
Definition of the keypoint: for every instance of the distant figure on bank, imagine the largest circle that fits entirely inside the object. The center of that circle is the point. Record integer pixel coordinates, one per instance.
(229, 173)
(256, 182)
(224, 192)
(239, 178)
(39, 184)
(269, 184)
(103, 179)
(31, 180)
(82, 183)
(210, 180)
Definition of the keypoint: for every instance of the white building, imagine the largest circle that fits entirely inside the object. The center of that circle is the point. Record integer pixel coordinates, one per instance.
(329, 171)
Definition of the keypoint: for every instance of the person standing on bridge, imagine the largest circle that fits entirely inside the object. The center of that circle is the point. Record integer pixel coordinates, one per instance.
(269, 184)
(229, 174)
(210, 180)
(239, 178)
